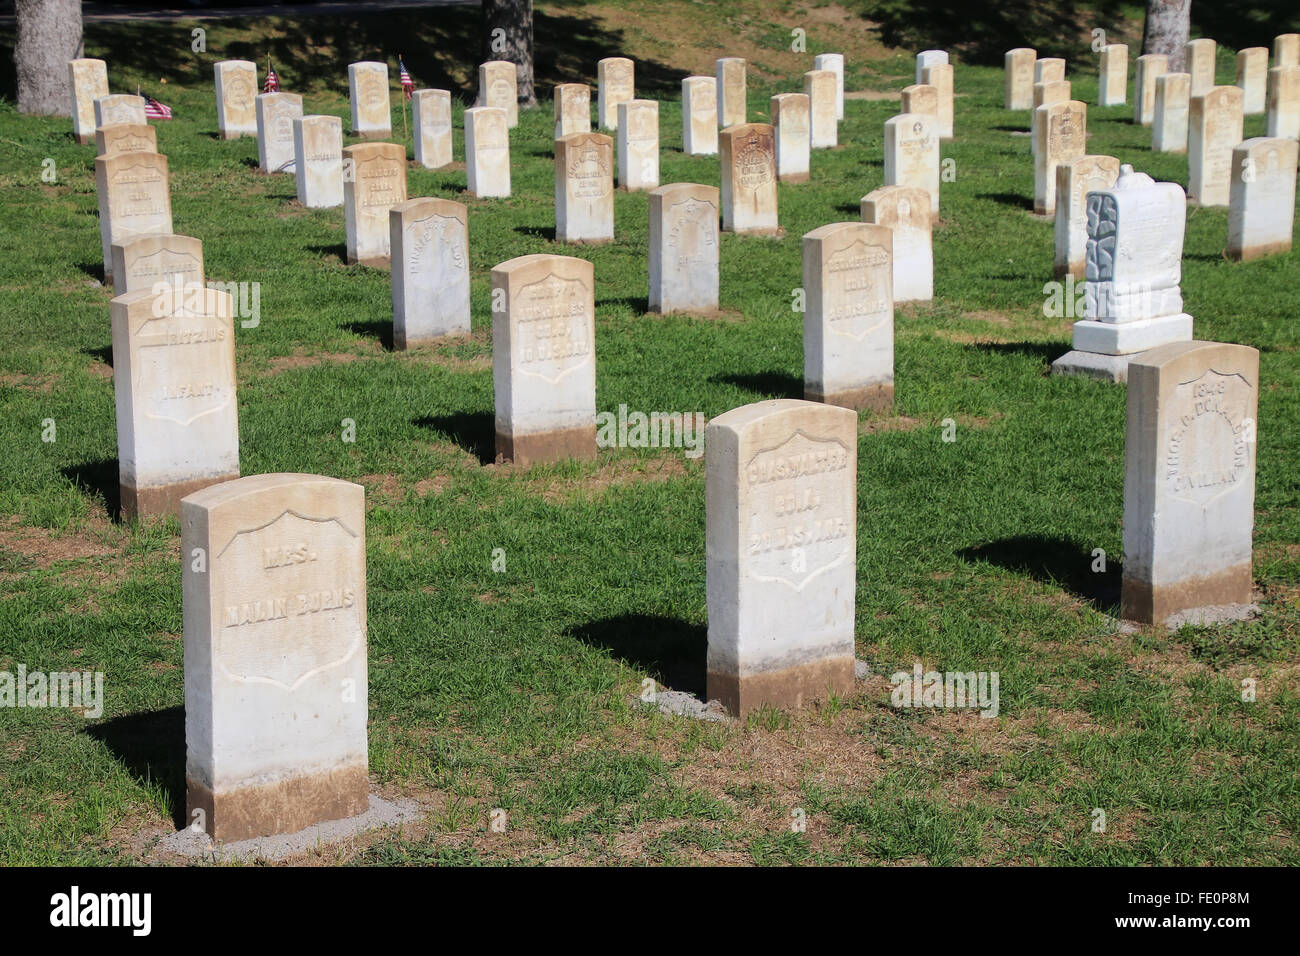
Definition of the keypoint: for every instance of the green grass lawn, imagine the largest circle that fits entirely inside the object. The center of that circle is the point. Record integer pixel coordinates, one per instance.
(517, 689)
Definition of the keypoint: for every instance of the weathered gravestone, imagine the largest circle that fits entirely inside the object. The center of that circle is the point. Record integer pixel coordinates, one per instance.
(1284, 102)
(584, 187)
(684, 245)
(543, 359)
(1049, 69)
(1150, 66)
(487, 152)
(733, 90)
(781, 560)
(638, 145)
(1112, 80)
(1189, 483)
(921, 98)
(940, 77)
(1261, 202)
(823, 129)
(615, 83)
(142, 262)
(1075, 178)
(1018, 65)
(912, 155)
(88, 80)
(174, 386)
(1173, 104)
(1132, 300)
(848, 322)
(126, 138)
(275, 115)
(1199, 56)
(236, 83)
(119, 109)
(906, 211)
(1061, 136)
(572, 109)
(749, 177)
(1252, 77)
(274, 596)
(835, 63)
(318, 160)
(1286, 49)
(372, 116)
(928, 58)
(700, 116)
(374, 181)
(498, 85)
(134, 200)
(431, 119)
(1045, 94)
(790, 118)
(1214, 125)
(429, 239)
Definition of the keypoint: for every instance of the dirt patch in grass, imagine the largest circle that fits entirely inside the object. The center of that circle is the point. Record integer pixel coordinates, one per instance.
(624, 471)
(300, 360)
(894, 423)
(47, 548)
(42, 384)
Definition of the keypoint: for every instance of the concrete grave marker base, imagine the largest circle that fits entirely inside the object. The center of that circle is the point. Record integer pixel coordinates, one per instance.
(543, 447)
(875, 398)
(785, 687)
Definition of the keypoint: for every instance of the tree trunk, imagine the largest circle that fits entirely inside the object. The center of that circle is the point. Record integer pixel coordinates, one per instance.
(49, 35)
(514, 41)
(1167, 26)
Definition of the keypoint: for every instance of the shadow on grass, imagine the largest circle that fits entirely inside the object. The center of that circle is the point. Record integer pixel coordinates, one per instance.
(1014, 200)
(639, 304)
(473, 431)
(152, 748)
(764, 384)
(378, 329)
(99, 479)
(1054, 560)
(537, 232)
(103, 354)
(670, 650)
(339, 251)
(1045, 352)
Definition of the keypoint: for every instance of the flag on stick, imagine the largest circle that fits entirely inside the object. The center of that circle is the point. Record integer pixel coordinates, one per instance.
(408, 85)
(272, 84)
(153, 109)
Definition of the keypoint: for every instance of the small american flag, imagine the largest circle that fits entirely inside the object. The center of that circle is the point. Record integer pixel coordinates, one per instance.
(272, 84)
(153, 109)
(408, 85)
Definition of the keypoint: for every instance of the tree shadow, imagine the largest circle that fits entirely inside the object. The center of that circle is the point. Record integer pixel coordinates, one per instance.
(1014, 200)
(473, 431)
(1054, 560)
(377, 329)
(339, 251)
(639, 304)
(764, 384)
(670, 650)
(151, 746)
(99, 479)
(1011, 129)
(95, 270)
(850, 208)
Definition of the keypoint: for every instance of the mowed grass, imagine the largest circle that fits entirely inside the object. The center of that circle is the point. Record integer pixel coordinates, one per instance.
(517, 689)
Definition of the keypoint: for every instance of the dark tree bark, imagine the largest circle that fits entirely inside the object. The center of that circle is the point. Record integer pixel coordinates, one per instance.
(514, 41)
(49, 35)
(1167, 26)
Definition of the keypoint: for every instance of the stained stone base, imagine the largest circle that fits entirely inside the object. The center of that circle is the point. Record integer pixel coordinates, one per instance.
(1076, 269)
(789, 688)
(542, 447)
(1124, 338)
(374, 262)
(85, 139)
(163, 499)
(235, 134)
(794, 178)
(1193, 599)
(777, 233)
(373, 134)
(285, 806)
(1258, 251)
(1109, 368)
(876, 398)
(584, 242)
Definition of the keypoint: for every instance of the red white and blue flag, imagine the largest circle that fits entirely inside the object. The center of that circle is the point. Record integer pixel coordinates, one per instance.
(408, 85)
(153, 109)
(272, 84)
